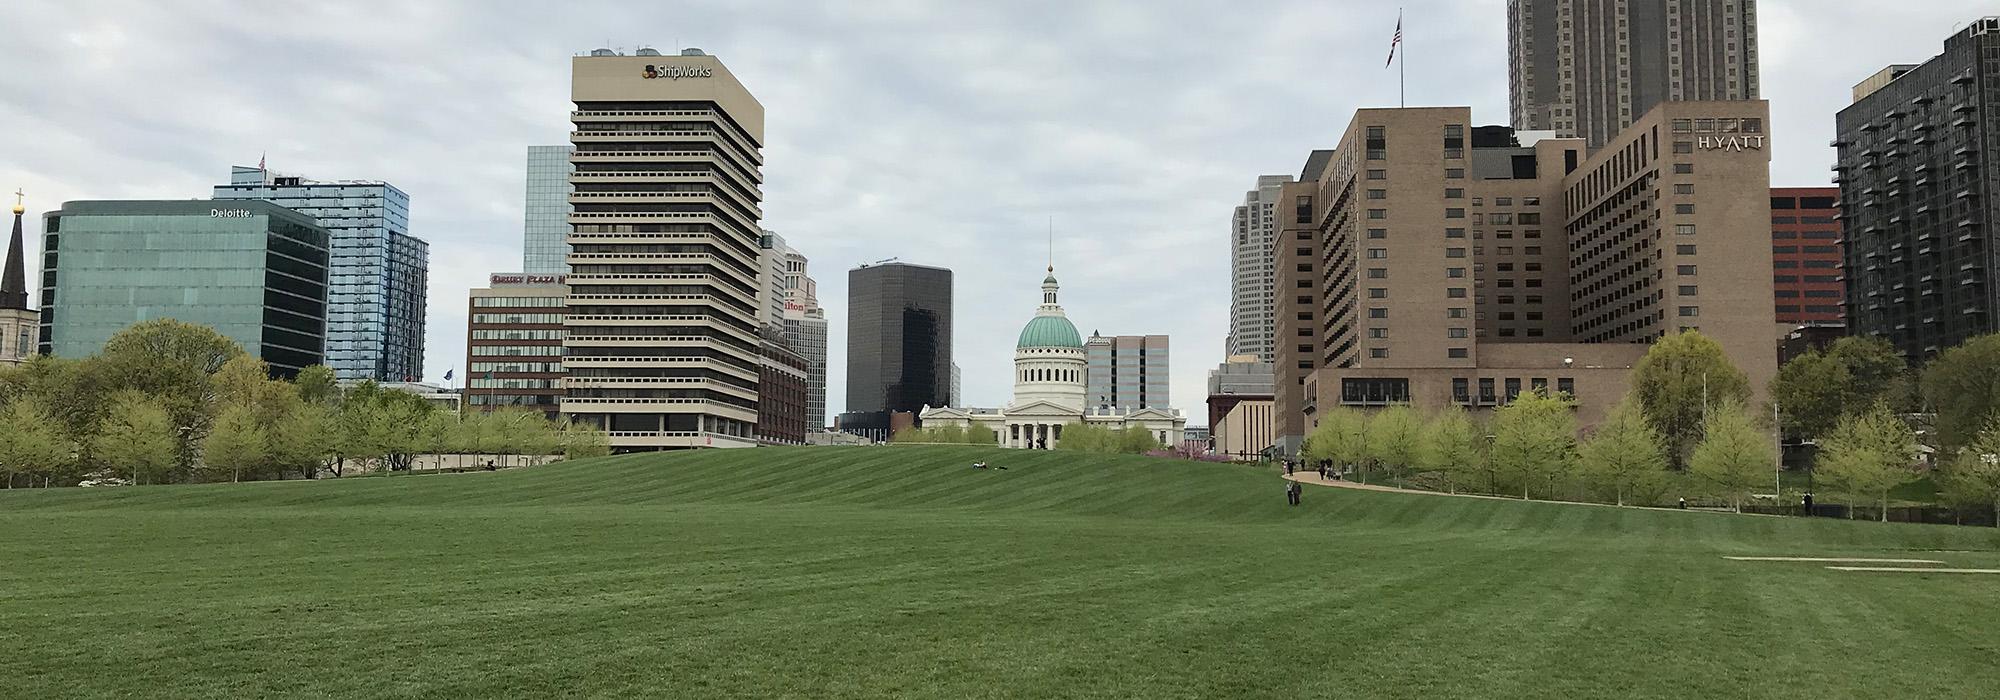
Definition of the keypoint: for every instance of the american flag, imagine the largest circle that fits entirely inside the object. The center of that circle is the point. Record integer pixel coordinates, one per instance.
(1395, 42)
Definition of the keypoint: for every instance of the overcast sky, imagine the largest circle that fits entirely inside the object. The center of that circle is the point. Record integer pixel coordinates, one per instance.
(941, 133)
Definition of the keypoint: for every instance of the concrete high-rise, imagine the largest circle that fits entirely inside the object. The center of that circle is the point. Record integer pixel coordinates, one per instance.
(1253, 271)
(1805, 254)
(254, 271)
(664, 347)
(789, 300)
(899, 327)
(1126, 372)
(1919, 173)
(380, 273)
(1589, 68)
(1448, 264)
(545, 220)
(514, 343)
(18, 321)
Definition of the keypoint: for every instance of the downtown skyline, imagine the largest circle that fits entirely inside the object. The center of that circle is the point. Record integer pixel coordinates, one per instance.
(945, 145)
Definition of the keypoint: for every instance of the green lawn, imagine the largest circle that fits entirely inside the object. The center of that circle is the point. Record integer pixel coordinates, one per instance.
(872, 572)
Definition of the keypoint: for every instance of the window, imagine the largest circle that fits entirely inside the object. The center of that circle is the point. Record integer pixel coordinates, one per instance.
(1486, 393)
(1687, 290)
(1684, 209)
(1532, 250)
(1378, 233)
(1378, 253)
(1687, 270)
(1820, 249)
(1378, 213)
(1378, 174)
(1684, 188)
(1454, 213)
(1378, 333)
(1378, 143)
(1461, 390)
(1529, 218)
(1513, 389)
(1566, 385)
(1683, 146)
(1683, 229)
(1304, 206)
(1454, 252)
(1454, 272)
(1378, 312)
(1683, 168)
(1784, 249)
(1503, 201)
(1454, 233)
(1501, 219)
(1378, 273)
(1378, 293)
(1457, 353)
(1454, 173)
(1455, 293)
(1378, 194)
(1683, 126)
(1687, 249)
(1454, 313)
(1378, 353)
(1454, 193)
(1690, 311)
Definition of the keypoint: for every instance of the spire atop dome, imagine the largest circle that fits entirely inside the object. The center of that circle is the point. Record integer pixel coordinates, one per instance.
(13, 278)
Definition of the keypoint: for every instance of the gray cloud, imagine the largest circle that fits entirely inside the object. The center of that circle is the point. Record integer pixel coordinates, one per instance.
(943, 133)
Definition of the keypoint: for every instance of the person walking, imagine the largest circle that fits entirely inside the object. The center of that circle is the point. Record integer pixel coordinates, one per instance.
(1807, 502)
(1292, 492)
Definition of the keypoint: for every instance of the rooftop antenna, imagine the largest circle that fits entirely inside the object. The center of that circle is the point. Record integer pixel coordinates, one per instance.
(1052, 243)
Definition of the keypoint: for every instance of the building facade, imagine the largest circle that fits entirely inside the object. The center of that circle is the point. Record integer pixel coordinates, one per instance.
(1453, 265)
(1253, 271)
(545, 220)
(514, 343)
(18, 321)
(1589, 68)
(379, 275)
(1051, 369)
(1241, 380)
(781, 394)
(1919, 173)
(664, 349)
(1127, 372)
(1805, 254)
(899, 334)
(254, 271)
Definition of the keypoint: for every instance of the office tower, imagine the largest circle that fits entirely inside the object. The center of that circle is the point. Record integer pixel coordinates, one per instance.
(806, 334)
(1240, 407)
(1127, 372)
(899, 320)
(774, 279)
(1588, 68)
(789, 301)
(1447, 264)
(1919, 174)
(545, 225)
(379, 274)
(781, 392)
(955, 398)
(664, 347)
(1253, 271)
(1805, 254)
(254, 271)
(514, 343)
(18, 320)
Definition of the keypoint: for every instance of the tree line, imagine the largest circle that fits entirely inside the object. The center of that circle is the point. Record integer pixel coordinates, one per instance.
(1687, 425)
(1075, 437)
(172, 402)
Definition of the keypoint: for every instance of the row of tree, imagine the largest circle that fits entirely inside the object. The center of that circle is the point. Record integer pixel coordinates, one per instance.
(947, 435)
(167, 401)
(1074, 437)
(1687, 424)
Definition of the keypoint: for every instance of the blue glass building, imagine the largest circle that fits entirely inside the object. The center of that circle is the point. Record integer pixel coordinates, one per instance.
(379, 272)
(545, 230)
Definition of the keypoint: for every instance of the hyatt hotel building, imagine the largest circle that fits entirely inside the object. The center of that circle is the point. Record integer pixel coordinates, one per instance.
(1427, 261)
(661, 345)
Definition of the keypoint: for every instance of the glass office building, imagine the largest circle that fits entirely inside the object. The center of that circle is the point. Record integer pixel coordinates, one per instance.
(379, 273)
(254, 271)
(898, 338)
(545, 233)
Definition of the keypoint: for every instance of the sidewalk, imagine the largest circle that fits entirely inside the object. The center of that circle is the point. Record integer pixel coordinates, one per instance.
(1311, 477)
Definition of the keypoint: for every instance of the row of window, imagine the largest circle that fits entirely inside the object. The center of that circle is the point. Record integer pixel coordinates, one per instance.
(518, 334)
(1815, 235)
(517, 318)
(519, 302)
(1801, 219)
(1461, 388)
(1807, 249)
(1814, 264)
(1792, 309)
(1810, 293)
(1791, 279)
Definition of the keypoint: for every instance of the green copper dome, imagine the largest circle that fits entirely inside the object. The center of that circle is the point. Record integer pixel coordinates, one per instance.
(1050, 332)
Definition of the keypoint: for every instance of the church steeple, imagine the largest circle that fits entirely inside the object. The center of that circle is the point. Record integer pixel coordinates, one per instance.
(14, 278)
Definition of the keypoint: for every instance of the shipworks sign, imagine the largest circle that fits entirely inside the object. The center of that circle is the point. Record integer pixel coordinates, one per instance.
(653, 72)
(1730, 143)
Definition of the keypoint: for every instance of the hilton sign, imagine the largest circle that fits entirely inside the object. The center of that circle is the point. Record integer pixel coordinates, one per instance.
(1730, 143)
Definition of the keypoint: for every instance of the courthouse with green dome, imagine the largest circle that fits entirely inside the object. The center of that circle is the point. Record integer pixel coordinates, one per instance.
(1050, 370)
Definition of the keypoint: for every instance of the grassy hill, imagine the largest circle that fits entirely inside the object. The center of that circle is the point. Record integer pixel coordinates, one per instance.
(866, 572)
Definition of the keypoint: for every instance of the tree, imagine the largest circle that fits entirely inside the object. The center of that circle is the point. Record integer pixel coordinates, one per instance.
(581, 441)
(1534, 439)
(173, 362)
(1452, 447)
(1679, 380)
(978, 434)
(137, 438)
(1867, 455)
(316, 385)
(304, 439)
(1137, 440)
(1875, 370)
(235, 444)
(32, 443)
(1974, 477)
(1811, 393)
(1341, 439)
(1963, 385)
(1394, 436)
(1734, 456)
(1624, 454)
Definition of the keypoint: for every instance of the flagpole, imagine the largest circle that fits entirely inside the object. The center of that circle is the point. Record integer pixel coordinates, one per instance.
(1402, 66)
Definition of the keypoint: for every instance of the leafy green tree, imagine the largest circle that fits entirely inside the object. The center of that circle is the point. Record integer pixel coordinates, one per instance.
(235, 444)
(978, 434)
(1681, 378)
(1135, 439)
(1452, 447)
(174, 362)
(1811, 393)
(1083, 437)
(1624, 455)
(581, 441)
(1875, 370)
(1973, 479)
(948, 434)
(316, 385)
(1868, 455)
(1963, 385)
(1534, 439)
(32, 443)
(1394, 436)
(303, 439)
(137, 438)
(1340, 439)
(1734, 456)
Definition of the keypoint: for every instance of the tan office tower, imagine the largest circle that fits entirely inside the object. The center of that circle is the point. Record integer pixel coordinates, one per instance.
(1430, 262)
(663, 350)
(1588, 68)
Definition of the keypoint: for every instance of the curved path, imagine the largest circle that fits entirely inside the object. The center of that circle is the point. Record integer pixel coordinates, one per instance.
(1309, 477)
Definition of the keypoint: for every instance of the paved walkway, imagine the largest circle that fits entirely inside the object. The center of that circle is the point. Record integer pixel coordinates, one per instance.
(1312, 477)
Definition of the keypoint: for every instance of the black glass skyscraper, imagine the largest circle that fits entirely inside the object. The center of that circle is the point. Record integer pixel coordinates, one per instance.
(898, 338)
